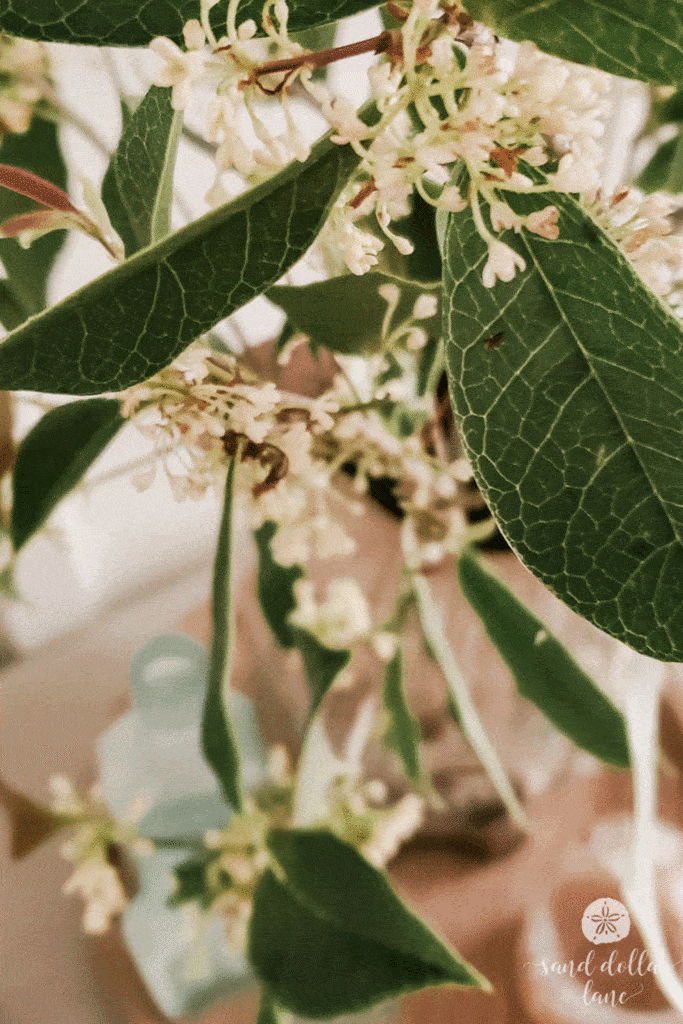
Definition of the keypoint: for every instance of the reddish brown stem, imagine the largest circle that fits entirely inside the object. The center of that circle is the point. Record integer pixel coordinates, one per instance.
(320, 58)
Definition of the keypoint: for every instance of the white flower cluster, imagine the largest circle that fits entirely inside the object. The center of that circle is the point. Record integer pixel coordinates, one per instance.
(205, 408)
(230, 64)
(95, 877)
(24, 82)
(357, 811)
(476, 104)
(481, 108)
(340, 620)
(640, 225)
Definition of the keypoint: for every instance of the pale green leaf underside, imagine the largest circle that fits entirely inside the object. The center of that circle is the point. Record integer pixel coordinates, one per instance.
(632, 38)
(136, 189)
(574, 421)
(132, 321)
(132, 23)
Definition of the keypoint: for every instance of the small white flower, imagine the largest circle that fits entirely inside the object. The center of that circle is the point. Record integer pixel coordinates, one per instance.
(390, 293)
(385, 644)
(247, 30)
(503, 218)
(180, 70)
(15, 115)
(425, 306)
(395, 826)
(343, 117)
(338, 621)
(99, 885)
(194, 35)
(503, 263)
(360, 250)
(544, 222)
(416, 339)
(451, 199)
(575, 174)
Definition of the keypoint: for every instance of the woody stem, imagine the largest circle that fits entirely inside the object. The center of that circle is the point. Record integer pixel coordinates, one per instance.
(320, 58)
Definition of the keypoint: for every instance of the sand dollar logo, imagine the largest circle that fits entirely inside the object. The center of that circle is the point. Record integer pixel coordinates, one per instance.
(605, 920)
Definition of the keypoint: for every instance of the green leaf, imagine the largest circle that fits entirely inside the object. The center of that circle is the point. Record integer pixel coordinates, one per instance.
(403, 735)
(664, 171)
(132, 321)
(138, 186)
(670, 109)
(573, 422)
(320, 37)
(332, 937)
(322, 665)
(191, 882)
(276, 587)
(218, 742)
(424, 262)
(625, 37)
(275, 584)
(345, 313)
(37, 150)
(131, 23)
(53, 457)
(268, 1011)
(12, 312)
(544, 671)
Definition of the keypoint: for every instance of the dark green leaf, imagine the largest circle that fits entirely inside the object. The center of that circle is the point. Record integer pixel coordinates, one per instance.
(345, 314)
(625, 37)
(190, 881)
(287, 333)
(131, 23)
(664, 170)
(276, 595)
(137, 187)
(132, 321)
(543, 669)
(573, 422)
(332, 937)
(53, 457)
(268, 1012)
(276, 587)
(320, 37)
(218, 742)
(12, 312)
(424, 262)
(670, 109)
(37, 150)
(321, 664)
(403, 734)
